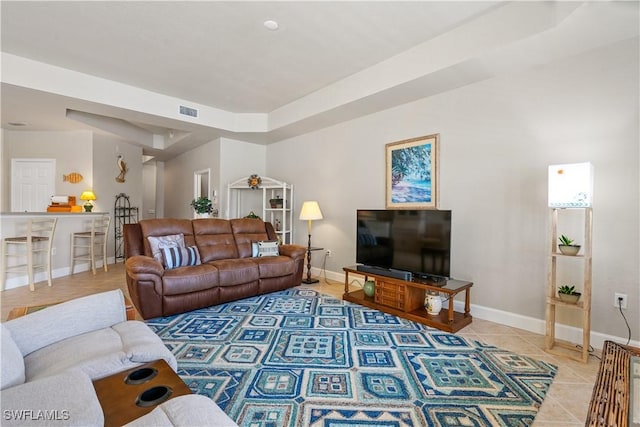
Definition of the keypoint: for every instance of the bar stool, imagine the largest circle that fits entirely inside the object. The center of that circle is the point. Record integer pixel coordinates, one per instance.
(88, 240)
(38, 231)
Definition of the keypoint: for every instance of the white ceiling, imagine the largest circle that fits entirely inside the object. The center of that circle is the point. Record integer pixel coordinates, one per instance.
(329, 61)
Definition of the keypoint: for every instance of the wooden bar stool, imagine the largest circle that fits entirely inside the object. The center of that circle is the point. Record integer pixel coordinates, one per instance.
(88, 240)
(38, 231)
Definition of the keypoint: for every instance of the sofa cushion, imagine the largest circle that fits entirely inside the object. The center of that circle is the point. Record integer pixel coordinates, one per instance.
(156, 227)
(180, 257)
(246, 231)
(189, 410)
(67, 399)
(157, 244)
(183, 280)
(12, 361)
(214, 239)
(104, 352)
(236, 271)
(68, 319)
(275, 266)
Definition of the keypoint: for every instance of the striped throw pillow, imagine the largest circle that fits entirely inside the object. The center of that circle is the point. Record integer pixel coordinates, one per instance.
(268, 248)
(174, 257)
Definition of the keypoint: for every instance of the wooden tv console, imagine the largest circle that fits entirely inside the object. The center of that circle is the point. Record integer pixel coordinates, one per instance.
(406, 299)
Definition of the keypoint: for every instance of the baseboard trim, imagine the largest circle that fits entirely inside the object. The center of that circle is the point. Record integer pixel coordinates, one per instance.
(527, 323)
(18, 281)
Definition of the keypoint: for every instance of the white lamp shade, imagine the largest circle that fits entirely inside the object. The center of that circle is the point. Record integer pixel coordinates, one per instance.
(310, 211)
(571, 185)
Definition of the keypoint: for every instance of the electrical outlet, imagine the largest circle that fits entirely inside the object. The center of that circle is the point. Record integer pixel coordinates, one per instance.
(620, 300)
(328, 252)
(53, 251)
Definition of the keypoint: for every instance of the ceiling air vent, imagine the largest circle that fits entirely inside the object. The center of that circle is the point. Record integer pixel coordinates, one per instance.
(192, 112)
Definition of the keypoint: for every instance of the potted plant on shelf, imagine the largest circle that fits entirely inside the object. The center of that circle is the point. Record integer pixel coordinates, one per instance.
(567, 247)
(568, 294)
(202, 207)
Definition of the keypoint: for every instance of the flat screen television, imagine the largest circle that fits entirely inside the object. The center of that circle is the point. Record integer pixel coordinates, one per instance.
(416, 241)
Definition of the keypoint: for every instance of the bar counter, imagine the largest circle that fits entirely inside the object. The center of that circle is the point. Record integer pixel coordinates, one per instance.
(15, 224)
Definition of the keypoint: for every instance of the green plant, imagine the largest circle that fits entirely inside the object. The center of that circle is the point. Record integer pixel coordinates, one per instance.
(566, 289)
(202, 205)
(564, 240)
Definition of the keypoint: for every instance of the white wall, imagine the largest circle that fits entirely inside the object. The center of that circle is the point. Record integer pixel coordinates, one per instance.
(73, 152)
(105, 166)
(497, 139)
(150, 186)
(178, 178)
(238, 160)
(106, 188)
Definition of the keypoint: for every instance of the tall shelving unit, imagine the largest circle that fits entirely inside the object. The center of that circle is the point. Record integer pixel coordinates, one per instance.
(123, 213)
(554, 303)
(280, 217)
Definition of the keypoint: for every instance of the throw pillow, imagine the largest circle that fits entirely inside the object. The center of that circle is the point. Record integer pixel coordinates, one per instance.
(169, 241)
(267, 248)
(180, 257)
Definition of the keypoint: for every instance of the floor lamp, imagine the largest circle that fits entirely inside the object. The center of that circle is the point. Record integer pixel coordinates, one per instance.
(310, 212)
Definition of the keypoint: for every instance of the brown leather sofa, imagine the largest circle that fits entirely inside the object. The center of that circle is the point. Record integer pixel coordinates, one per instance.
(227, 272)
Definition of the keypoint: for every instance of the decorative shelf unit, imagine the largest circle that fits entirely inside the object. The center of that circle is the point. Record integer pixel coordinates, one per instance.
(280, 217)
(123, 213)
(554, 303)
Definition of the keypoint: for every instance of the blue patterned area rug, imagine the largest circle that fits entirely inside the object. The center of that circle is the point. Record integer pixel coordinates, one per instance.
(300, 358)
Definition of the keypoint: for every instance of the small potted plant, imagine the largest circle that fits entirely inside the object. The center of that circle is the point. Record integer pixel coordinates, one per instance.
(202, 206)
(568, 294)
(567, 247)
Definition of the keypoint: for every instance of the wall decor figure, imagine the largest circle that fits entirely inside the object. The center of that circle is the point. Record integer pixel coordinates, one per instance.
(412, 173)
(254, 181)
(73, 177)
(123, 169)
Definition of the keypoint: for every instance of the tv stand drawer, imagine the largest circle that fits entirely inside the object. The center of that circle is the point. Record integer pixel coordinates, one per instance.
(390, 294)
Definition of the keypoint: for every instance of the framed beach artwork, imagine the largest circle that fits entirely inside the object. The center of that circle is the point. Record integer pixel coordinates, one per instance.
(412, 173)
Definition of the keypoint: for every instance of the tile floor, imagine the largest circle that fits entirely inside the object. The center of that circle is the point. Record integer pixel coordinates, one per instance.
(566, 403)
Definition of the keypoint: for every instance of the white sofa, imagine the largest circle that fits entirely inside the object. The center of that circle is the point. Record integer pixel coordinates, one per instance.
(50, 358)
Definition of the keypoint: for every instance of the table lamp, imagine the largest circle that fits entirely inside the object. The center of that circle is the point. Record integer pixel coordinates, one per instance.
(88, 197)
(310, 212)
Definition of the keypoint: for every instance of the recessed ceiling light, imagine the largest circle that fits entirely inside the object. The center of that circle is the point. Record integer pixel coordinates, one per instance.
(271, 25)
(17, 124)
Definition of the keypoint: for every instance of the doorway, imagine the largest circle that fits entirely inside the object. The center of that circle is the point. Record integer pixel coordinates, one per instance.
(32, 184)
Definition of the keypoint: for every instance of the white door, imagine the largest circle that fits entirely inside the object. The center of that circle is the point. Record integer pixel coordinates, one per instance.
(32, 184)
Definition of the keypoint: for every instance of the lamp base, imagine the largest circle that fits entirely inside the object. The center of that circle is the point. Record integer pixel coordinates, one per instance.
(310, 281)
(88, 207)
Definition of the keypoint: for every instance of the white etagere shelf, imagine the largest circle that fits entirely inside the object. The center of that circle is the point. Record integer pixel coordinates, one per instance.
(280, 217)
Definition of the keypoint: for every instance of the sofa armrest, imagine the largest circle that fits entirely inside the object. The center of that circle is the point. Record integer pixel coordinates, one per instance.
(68, 398)
(144, 281)
(293, 251)
(141, 264)
(68, 319)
